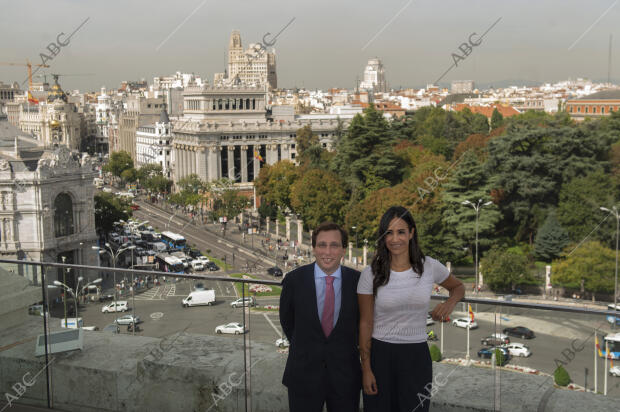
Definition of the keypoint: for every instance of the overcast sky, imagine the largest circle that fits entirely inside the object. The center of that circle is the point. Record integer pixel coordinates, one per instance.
(327, 45)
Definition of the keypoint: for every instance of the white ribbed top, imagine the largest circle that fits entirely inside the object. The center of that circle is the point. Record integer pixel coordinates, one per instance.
(401, 306)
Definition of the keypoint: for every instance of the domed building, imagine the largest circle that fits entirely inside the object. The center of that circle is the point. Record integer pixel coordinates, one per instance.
(46, 202)
(53, 122)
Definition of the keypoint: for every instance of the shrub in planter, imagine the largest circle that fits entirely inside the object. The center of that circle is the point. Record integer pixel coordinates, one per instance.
(561, 377)
(435, 353)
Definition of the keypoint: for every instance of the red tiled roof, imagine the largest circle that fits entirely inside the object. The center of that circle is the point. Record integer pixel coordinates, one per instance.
(504, 110)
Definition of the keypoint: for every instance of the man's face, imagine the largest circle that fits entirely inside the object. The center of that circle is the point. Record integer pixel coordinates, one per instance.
(328, 250)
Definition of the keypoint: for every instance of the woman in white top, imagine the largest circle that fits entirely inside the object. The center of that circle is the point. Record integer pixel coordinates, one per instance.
(394, 295)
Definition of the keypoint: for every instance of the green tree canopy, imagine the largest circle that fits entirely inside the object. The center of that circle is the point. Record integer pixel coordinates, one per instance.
(227, 201)
(590, 267)
(119, 162)
(497, 119)
(110, 209)
(274, 183)
(550, 239)
(503, 270)
(579, 207)
(319, 196)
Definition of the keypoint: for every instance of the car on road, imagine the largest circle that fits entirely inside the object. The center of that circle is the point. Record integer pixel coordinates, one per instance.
(197, 265)
(128, 319)
(118, 306)
(429, 320)
(105, 298)
(518, 349)
(465, 323)
(234, 328)
(520, 332)
(282, 343)
(495, 339)
(135, 206)
(90, 327)
(203, 259)
(243, 302)
(615, 371)
(487, 353)
(275, 271)
(212, 266)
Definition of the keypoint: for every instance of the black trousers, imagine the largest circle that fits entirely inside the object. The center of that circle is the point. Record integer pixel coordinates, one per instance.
(298, 402)
(404, 375)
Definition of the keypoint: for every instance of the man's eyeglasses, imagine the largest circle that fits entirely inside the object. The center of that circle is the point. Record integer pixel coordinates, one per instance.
(323, 245)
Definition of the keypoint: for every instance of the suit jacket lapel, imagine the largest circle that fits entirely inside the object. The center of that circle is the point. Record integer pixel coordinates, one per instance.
(310, 286)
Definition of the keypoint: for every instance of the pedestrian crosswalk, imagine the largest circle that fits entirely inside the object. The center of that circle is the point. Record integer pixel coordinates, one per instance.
(158, 293)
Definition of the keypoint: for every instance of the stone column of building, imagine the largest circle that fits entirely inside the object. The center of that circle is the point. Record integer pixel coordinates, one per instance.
(267, 220)
(285, 151)
(244, 164)
(272, 154)
(181, 161)
(202, 162)
(350, 251)
(277, 228)
(213, 164)
(231, 163)
(300, 232)
(288, 227)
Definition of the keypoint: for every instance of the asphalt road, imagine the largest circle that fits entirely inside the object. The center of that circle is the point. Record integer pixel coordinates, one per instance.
(204, 240)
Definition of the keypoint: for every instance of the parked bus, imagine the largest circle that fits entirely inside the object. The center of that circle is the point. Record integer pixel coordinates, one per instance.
(613, 341)
(170, 264)
(173, 240)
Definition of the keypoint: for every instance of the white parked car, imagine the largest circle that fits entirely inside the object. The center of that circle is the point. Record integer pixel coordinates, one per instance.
(429, 320)
(518, 349)
(203, 259)
(615, 371)
(118, 306)
(234, 327)
(282, 343)
(464, 323)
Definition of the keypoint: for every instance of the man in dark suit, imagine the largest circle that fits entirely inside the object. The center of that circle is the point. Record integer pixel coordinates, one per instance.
(320, 318)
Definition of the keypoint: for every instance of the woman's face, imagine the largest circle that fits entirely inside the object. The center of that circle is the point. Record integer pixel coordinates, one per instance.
(397, 237)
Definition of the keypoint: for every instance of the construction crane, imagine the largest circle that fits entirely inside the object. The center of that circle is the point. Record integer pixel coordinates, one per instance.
(29, 65)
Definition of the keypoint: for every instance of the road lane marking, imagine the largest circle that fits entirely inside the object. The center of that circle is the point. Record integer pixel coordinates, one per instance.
(278, 331)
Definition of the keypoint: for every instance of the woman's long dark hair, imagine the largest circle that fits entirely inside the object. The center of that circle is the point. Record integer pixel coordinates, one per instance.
(382, 261)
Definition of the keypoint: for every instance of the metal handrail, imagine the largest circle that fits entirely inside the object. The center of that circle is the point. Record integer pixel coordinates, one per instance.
(522, 305)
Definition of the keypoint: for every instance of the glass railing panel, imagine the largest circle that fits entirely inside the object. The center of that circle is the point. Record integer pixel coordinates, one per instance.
(24, 367)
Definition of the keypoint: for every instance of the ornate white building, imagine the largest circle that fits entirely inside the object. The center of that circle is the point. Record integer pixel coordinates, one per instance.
(374, 77)
(153, 144)
(228, 132)
(46, 203)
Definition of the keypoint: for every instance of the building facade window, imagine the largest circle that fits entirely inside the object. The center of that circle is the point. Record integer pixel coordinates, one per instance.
(63, 215)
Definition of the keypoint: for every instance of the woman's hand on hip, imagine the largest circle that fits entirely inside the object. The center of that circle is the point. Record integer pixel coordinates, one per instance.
(369, 384)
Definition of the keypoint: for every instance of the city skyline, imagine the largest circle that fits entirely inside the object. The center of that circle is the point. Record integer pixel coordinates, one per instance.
(327, 45)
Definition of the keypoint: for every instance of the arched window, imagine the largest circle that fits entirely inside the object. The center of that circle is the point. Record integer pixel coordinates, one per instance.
(63, 215)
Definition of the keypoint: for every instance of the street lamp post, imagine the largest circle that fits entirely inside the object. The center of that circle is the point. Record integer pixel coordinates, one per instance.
(75, 293)
(64, 295)
(614, 210)
(114, 258)
(479, 205)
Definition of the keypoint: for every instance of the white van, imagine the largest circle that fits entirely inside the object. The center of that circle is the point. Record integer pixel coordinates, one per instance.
(200, 297)
(120, 306)
(72, 323)
(197, 265)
